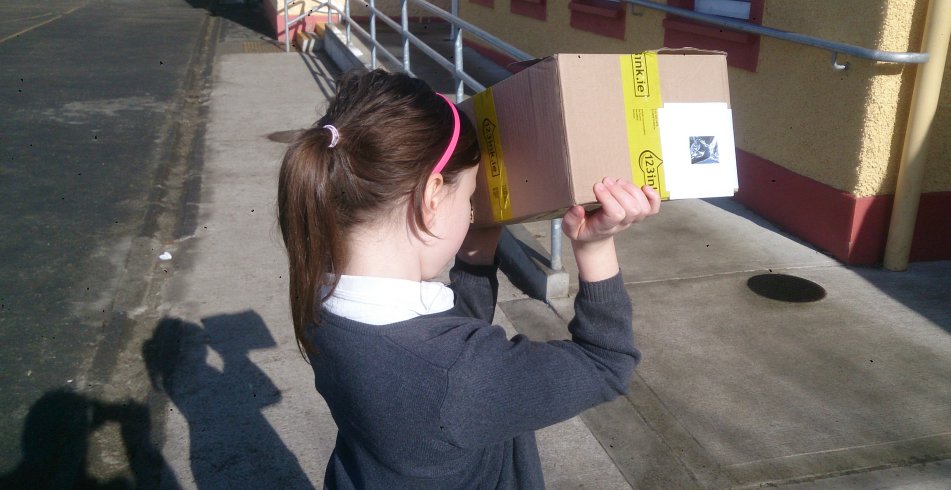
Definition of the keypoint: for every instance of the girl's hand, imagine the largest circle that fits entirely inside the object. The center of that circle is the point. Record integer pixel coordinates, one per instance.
(592, 236)
(622, 204)
(478, 248)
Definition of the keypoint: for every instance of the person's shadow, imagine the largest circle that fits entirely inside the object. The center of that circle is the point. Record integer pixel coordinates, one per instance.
(206, 372)
(55, 444)
(249, 14)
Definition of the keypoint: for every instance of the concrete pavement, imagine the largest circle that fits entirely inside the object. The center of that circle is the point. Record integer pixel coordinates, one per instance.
(736, 390)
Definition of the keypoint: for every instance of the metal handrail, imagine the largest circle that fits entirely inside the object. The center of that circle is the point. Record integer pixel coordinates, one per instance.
(288, 23)
(419, 43)
(835, 47)
(459, 25)
(493, 41)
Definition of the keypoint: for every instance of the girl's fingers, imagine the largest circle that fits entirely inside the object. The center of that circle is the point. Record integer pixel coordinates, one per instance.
(622, 203)
(610, 207)
(572, 222)
(633, 200)
(653, 197)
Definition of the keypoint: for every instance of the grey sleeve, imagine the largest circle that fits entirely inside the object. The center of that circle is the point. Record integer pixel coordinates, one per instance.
(476, 288)
(499, 388)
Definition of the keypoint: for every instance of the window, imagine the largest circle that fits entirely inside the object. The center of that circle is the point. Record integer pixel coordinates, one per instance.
(737, 9)
(536, 9)
(605, 17)
(742, 48)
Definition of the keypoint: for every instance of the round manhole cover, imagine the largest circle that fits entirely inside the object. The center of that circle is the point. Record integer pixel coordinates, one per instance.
(783, 287)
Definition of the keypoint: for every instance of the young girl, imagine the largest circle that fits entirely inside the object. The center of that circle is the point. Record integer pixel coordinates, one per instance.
(427, 393)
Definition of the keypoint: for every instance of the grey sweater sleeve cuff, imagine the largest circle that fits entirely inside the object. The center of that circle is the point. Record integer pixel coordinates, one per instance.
(476, 288)
(606, 291)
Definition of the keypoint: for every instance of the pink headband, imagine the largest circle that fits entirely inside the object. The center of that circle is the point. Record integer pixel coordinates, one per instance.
(452, 142)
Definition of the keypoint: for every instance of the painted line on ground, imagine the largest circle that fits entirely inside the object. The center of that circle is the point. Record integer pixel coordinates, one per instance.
(41, 24)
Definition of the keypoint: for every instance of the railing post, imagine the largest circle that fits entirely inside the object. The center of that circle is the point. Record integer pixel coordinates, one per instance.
(287, 38)
(373, 34)
(556, 244)
(346, 11)
(454, 10)
(404, 26)
(457, 53)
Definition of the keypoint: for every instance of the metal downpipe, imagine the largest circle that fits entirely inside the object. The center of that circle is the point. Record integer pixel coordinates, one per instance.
(924, 103)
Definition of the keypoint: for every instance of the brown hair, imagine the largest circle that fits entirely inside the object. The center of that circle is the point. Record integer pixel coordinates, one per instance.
(392, 130)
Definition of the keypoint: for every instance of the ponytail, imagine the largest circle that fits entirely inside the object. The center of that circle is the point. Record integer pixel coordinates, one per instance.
(310, 231)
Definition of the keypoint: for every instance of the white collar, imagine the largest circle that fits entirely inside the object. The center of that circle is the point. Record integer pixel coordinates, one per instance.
(382, 300)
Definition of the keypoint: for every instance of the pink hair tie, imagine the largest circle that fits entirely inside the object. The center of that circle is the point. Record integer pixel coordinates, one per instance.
(444, 159)
(334, 135)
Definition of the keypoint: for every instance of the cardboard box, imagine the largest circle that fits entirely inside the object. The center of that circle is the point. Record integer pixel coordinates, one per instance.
(551, 131)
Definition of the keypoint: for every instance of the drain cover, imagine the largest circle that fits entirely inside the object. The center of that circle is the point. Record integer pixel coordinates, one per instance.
(783, 287)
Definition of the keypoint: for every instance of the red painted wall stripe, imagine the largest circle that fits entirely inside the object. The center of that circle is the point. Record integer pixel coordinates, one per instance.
(851, 229)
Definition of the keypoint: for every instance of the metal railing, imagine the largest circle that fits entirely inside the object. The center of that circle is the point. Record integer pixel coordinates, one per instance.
(457, 24)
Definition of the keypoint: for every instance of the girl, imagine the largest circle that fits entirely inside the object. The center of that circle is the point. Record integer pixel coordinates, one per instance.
(427, 393)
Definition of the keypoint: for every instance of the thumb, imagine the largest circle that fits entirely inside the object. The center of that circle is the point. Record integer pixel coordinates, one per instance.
(572, 221)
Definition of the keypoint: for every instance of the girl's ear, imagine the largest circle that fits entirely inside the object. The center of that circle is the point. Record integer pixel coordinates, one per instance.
(433, 195)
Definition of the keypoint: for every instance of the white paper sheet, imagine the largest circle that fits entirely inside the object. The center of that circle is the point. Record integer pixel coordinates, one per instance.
(698, 150)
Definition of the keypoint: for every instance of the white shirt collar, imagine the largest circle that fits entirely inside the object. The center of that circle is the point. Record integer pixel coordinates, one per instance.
(382, 300)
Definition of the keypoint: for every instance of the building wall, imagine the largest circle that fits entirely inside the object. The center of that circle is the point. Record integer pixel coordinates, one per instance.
(838, 131)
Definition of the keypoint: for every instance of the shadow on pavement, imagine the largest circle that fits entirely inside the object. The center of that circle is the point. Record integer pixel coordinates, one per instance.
(206, 372)
(325, 74)
(733, 206)
(249, 14)
(924, 288)
(56, 439)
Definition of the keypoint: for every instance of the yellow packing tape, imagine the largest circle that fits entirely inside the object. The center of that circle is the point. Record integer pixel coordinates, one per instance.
(639, 78)
(491, 146)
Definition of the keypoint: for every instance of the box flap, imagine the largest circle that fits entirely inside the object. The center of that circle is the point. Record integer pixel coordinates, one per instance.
(531, 131)
(596, 128)
(518, 66)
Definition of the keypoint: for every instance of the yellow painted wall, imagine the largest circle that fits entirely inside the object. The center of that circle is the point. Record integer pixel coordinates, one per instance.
(841, 128)
(555, 35)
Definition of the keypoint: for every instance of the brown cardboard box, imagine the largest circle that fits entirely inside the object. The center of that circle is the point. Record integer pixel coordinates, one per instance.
(551, 131)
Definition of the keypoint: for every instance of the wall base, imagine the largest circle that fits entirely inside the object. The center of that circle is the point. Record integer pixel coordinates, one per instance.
(851, 229)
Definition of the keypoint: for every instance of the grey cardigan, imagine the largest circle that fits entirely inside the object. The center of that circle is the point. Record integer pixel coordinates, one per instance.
(446, 401)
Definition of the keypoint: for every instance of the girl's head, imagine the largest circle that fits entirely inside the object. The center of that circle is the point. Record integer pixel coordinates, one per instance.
(368, 159)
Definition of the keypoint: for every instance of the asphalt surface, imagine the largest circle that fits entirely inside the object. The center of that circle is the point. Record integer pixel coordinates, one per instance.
(92, 97)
